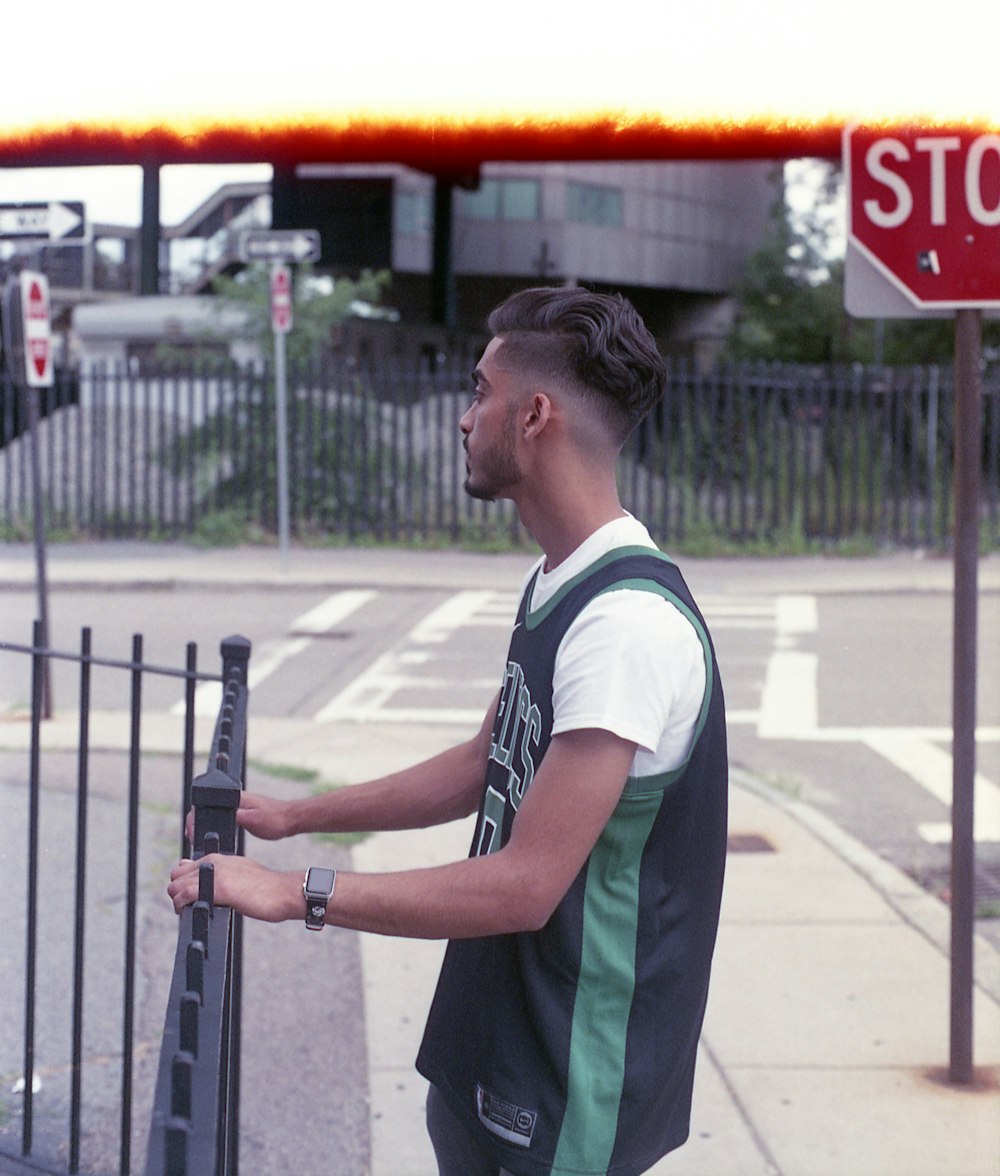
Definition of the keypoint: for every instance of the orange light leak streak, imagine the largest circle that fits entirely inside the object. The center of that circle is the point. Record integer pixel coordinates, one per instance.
(440, 145)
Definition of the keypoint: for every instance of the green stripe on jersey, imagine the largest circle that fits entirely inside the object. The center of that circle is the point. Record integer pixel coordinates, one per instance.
(534, 618)
(596, 1071)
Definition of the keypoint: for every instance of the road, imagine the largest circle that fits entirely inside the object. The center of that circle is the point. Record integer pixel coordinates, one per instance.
(841, 697)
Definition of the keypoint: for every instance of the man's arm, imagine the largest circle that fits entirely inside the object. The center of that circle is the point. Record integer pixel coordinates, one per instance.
(441, 789)
(574, 792)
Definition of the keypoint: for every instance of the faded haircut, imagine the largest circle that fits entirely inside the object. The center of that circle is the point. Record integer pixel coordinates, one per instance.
(594, 344)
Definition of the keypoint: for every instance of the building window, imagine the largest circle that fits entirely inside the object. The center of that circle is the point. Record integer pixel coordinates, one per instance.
(519, 200)
(594, 204)
(509, 200)
(413, 213)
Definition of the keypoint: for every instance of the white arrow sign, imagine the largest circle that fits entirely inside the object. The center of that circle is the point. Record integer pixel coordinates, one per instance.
(279, 245)
(51, 221)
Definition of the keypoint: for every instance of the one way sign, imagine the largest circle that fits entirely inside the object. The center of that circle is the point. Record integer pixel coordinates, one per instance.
(279, 245)
(52, 221)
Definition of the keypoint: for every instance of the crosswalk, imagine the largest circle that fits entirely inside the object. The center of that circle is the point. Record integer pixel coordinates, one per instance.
(417, 679)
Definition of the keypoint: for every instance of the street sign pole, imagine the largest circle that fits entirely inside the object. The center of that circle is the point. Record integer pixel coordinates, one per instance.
(281, 323)
(281, 407)
(967, 476)
(924, 241)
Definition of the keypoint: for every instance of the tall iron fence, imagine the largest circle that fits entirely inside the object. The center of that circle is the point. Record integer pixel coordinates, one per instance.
(195, 1120)
(742, 454)
(82, 991)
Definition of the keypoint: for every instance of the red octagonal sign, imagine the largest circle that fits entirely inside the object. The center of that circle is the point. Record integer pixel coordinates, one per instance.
(924, 209)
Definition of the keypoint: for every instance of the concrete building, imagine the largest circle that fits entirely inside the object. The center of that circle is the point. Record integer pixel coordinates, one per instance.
(674, 236)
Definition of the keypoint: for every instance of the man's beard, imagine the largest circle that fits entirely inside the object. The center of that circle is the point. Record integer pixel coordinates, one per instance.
(496, 467)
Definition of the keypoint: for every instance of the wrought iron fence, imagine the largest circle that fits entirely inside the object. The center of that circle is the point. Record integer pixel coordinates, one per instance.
(195, 1120)
(744, 454)
(80, 876)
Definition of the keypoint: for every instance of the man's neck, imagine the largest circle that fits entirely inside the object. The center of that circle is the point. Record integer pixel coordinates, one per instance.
(560, 542)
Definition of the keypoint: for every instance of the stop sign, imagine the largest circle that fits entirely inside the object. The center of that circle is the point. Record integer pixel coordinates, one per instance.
(924, 209)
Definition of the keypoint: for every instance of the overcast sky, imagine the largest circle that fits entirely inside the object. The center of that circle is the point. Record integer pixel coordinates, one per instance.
(113, 195)
(96, 65)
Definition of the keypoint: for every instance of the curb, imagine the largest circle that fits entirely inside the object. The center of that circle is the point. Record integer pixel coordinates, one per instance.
(924, 913)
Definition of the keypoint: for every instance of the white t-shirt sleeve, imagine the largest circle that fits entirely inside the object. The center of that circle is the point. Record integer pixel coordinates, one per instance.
(632, 663)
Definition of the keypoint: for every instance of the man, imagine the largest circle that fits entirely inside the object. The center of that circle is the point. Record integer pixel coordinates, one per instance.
(563, 1033)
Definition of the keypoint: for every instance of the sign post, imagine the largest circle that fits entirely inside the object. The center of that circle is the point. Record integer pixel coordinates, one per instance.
(281, 324)
(924, 238)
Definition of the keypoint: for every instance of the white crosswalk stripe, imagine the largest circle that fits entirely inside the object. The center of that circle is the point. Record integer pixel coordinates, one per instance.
(272, 654)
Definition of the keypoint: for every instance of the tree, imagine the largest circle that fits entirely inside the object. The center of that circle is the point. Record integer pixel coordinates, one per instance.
(792, 296)
(320, 305)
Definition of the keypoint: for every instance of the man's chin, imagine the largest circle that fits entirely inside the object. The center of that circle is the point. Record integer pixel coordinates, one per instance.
(481, 493)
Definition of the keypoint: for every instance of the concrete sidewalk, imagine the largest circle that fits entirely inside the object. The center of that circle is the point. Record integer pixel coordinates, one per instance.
(825, 1050)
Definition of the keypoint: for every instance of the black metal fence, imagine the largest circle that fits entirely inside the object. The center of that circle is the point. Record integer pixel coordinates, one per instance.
(195, 1120)
(764, 453)
(79, 959)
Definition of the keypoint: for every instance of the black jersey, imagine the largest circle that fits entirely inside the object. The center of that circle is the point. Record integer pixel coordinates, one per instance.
(572, 1049)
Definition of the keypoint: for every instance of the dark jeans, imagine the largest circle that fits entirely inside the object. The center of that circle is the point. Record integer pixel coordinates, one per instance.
(458, 1151)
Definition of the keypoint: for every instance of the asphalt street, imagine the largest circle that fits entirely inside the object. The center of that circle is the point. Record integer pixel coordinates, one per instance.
(837, 679)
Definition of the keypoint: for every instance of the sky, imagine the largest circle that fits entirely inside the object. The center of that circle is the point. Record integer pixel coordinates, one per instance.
(305, 58)
(202, 65)
(113, 195)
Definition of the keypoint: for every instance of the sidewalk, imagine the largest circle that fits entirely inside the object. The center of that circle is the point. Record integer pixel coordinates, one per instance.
(825, 1051)
(825, 1048)
(119, 564)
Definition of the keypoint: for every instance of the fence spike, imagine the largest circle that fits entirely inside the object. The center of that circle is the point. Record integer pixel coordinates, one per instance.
(195, 961)
(190, 1007)
(175, 1147)
(206, 888)
(181, 1074)
(200, 919)
(211, 843)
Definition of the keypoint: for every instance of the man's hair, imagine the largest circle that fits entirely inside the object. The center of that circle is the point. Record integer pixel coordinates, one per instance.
(593, 344)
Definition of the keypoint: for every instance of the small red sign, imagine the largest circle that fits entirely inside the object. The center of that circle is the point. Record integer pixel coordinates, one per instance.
(37, 329)
(281, 299)
(924, 208)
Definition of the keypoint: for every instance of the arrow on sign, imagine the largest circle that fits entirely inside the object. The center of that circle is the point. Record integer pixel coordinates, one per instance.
(279, 245)
(52, 221)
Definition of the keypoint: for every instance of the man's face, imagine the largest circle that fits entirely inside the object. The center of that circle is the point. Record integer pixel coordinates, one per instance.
(489, 429)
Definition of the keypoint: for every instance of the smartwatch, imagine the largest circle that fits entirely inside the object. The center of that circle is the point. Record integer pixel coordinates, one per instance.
(317, 889)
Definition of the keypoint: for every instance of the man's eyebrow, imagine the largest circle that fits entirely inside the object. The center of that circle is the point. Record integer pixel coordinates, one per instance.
(478, 377)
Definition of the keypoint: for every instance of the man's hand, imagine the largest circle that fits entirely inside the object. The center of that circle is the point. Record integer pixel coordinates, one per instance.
(264, 817)
(268, 819)
(242, 884)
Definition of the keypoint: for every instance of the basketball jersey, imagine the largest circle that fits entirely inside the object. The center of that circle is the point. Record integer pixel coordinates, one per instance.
(572, 1049)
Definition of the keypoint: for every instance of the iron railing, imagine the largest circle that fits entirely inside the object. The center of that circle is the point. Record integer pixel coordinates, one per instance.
(746, 454)
(195, 1120)
(72, 959)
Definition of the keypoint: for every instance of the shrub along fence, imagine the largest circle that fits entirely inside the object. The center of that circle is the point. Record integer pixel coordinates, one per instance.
(754, 454)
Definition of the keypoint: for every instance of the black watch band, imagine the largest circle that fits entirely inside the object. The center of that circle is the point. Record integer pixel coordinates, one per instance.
(317, 889)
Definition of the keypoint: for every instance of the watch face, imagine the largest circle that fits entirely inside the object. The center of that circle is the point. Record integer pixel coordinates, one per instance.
(320, 881)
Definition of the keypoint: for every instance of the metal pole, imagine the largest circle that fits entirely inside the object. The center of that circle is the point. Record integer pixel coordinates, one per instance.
(39, 528)
(281, 407)
(149, 232)
(442, 273)
(968, 345)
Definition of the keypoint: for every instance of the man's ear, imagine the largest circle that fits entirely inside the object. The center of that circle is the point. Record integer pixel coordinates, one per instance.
(539, 411)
